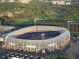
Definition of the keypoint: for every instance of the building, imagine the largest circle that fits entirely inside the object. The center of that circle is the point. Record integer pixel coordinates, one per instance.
(51, 44)
(24, 1)
(61, 2)
(21, 1)
(3, 1)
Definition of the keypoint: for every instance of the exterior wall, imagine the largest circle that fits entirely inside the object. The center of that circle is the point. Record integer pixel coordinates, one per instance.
(21, 1)
(61, 2)
(1, 1)
(36, 45)
(24, 1)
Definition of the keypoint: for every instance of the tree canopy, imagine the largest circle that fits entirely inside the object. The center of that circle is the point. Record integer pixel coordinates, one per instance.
(41, 10)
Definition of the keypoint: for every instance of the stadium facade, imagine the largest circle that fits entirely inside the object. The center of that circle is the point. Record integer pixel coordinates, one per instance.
(58, 42)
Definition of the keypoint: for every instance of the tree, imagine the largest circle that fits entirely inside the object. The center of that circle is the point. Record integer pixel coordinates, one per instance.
(51, 57)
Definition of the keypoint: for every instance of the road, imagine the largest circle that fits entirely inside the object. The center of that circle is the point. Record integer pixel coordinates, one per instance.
(73, 50)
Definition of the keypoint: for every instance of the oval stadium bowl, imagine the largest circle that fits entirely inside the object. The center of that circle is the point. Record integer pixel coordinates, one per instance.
(38, 38)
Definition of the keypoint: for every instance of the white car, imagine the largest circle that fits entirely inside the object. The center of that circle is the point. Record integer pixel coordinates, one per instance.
(15, 58)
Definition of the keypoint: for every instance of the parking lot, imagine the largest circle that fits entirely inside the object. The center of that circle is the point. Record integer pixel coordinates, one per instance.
(8, 54)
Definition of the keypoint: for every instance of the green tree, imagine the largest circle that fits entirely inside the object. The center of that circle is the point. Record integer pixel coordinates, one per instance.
(51, 57)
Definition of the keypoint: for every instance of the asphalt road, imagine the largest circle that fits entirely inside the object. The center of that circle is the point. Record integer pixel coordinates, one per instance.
(73, 51)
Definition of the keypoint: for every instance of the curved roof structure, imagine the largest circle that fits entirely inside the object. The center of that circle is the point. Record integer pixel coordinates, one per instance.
(64, 32)
(54, 42)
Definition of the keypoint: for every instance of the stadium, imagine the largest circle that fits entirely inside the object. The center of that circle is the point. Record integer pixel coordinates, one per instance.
(38, 38)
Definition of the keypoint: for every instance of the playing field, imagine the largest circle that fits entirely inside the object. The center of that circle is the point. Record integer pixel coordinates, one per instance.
(39, 35)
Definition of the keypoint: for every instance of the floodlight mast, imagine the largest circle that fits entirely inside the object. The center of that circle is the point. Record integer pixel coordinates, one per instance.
(35, 24)
(69, 23)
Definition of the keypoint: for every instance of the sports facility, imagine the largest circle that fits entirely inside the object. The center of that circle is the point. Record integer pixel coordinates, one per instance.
(38, 38)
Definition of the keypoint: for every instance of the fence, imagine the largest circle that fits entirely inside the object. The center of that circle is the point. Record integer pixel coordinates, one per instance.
(73, 26)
